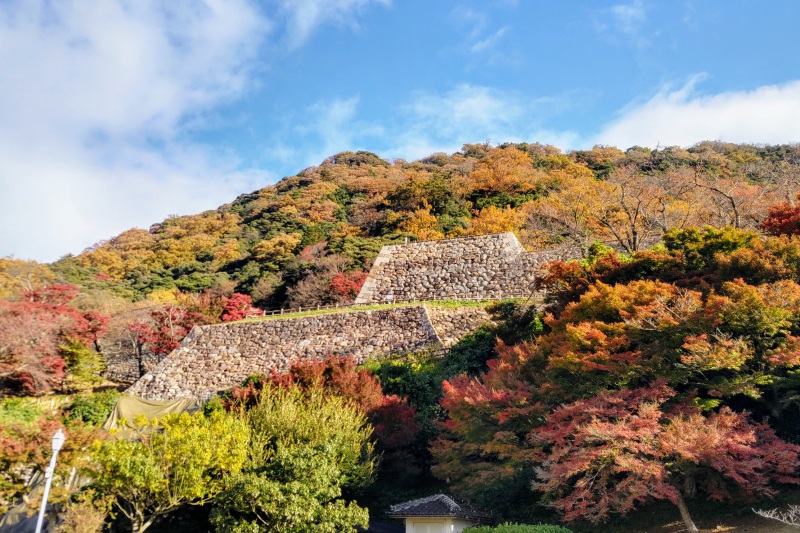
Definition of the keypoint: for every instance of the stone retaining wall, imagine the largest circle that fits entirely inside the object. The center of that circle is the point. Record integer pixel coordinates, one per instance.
(123, 367)
(452, 325)
(218, 357)
(482, 266)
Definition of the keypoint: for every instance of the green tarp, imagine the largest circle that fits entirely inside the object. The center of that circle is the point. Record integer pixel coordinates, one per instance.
(128, 408)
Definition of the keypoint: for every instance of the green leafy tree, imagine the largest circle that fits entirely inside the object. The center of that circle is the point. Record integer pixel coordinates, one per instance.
(177, 460)
(299, 489)
(305, 448)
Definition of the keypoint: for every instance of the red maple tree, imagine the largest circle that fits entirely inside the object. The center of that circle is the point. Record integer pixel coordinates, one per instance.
(782, 219)
(613, 452)
(33, 333)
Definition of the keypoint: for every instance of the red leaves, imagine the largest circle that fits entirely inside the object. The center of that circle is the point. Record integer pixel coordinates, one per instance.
(169, 326)
(237, 307)
(346, 285)
(53, 294)
(616, 450)
(783, 219)
(33, 332)
(575, 402)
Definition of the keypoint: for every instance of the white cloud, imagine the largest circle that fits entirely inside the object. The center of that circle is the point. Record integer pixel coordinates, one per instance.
(769, 114)
(98, 100)
(304, 16)
(480, 43)
(489, 42)
(625, 20)
(323, 129)
(94, 97)
(629, 17)
(471, 113)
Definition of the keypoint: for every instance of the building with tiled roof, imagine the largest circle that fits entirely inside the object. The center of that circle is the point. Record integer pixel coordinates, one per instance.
(437, 514)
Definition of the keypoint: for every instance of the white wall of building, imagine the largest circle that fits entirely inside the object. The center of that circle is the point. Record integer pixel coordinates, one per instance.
(423, 524)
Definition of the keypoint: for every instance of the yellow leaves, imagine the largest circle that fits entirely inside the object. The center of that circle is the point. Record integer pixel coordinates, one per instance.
(107, 260)
(288, 210)
(344, 230)
(17, 275)
(180, 459)
(212, 223)
(492, 219)
(278, 248)
(503, 170)
(228, 251)
(163, 296)
(177, 240)
(423, 224)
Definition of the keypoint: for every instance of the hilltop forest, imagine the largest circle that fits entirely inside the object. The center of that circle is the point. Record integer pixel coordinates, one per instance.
(663, 366)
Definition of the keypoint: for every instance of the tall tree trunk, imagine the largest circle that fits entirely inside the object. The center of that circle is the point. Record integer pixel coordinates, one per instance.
(687, 519)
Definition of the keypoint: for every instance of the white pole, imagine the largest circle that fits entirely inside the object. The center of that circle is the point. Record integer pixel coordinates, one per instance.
(58, 442)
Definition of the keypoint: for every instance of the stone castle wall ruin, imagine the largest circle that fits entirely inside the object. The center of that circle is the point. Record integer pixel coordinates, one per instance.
(476, 267)
(218, 357)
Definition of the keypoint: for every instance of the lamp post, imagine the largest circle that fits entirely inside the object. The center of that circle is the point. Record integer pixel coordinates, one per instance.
(58, 442)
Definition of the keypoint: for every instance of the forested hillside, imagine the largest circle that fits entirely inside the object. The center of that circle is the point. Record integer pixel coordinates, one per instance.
(285, 243)
(663, 366)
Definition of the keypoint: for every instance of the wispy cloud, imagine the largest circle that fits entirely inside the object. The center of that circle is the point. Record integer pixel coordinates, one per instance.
(480, 40)
(99, 102)
(769, 114)
(428, 122)
(629, 17)
(322, 129)
(624, 20)
(444, 122)
(489, 42)
(304, 16)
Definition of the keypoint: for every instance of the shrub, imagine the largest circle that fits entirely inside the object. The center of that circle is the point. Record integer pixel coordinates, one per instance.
(93, 408)
(20, 410)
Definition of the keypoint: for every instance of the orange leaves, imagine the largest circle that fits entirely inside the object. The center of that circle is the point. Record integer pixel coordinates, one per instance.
(617, 450)
(492, 219)
(422, 224)
(724, 352)
(766, 310)
(503, 170)
(785, 355)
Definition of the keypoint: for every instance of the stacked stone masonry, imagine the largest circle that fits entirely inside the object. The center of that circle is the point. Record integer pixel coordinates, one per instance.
(479, 267)
(218, 357)
(122, 367)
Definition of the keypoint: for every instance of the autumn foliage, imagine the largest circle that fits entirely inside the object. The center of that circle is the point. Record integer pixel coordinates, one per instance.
(615, 451)
(390, 415)
(782, 219)
(636, 389)
(34, 333)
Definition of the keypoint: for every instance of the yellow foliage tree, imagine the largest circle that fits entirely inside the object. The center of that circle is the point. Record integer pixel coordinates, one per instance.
(277, 249)
(504, 170)
(492, 219)
(422, 224)
(17, 276)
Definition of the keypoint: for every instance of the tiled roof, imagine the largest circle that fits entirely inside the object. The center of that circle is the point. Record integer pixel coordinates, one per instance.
(436, 505)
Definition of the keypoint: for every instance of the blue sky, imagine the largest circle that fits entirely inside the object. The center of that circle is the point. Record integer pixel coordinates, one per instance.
(115, 114)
